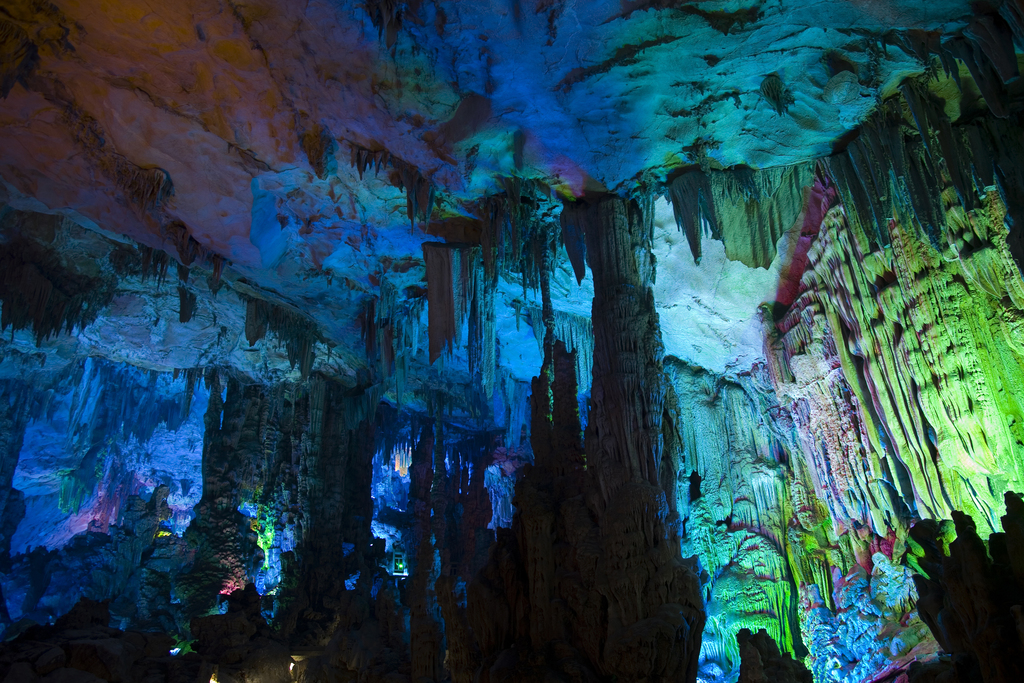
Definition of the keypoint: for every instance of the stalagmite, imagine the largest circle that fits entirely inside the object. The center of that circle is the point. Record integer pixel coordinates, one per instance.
(13, 419)
(424, 631)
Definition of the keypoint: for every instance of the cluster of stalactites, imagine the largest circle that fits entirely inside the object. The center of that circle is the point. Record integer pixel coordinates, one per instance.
(900, 163)
(111, 404)
(747, 210)
(386, 16)
(577, 332)
(460, 302)
(419, 192)
(391, 329)
(985, 46)
(297, 332)
(155, 262)
(42, 286)
(516, 231)
(462, 279)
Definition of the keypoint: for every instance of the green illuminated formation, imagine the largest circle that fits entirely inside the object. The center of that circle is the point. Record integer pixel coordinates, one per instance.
(928, 346)
(265, 531)
(733, 499)
(890, 391)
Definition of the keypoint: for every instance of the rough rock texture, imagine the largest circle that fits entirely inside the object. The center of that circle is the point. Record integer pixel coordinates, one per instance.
(236, 646)
(81, 647)
(971, 597)
(289, 163)
(912, 326)
(761, 661)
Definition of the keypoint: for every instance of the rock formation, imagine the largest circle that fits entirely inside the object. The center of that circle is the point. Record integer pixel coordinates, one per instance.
(422, 341)
(590, 580)
(761, 661)
(970, 596)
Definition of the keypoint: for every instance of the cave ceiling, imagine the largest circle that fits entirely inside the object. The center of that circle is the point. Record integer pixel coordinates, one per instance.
(278, 142)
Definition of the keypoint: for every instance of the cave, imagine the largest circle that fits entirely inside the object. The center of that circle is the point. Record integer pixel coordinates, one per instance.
(417, 341)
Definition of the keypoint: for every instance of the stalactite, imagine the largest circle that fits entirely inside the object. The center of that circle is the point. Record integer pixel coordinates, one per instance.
(214, 280)
(20, 56)
(755, 208)
(694, 209)
(523, 232)
(747, 210)
(456, 296)
(319, 145)
(577, 332)
(187, 246)
(186, 304)
(386, 15)
(147, 188)
(976, 155)
(890, 361)
(397, 323)
(491, 248)
(776, 94)
(517, 398)
(299, 334)
(484, 335)
(935, 207)
(41, 291)
(573, 237)
(500, 488)
(419, 192)
(154, 263)
(440, 298)
(460, 292)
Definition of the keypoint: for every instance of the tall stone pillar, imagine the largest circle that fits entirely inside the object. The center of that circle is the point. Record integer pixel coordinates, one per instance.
(220, 534)
(624, 439)
(590, 579)
(655, 612)
(424, 631)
